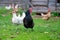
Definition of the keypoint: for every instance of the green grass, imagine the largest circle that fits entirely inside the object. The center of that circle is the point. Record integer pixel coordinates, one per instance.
(54, 14)
(19, 32)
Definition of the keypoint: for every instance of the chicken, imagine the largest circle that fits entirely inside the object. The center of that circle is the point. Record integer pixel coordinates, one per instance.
(28, 21)
(20, 18)
(30, 8)
(23, 15)
(17, 19)
(14, 18)
(46, 16)
(8, 7)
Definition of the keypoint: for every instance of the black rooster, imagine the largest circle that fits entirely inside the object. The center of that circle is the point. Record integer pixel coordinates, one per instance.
(28, 21)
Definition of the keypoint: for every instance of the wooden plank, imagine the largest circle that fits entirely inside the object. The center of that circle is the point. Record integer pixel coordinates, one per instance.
(40, 9)
(9, 1)
(52, 0)
(58, 4)
(52, 8)
(58, 8)
(52, 5)
(39, 3)
(39, 0)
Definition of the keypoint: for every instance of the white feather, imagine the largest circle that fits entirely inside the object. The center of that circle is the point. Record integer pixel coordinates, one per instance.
(14, 18)
(19, 19)
(23, 15)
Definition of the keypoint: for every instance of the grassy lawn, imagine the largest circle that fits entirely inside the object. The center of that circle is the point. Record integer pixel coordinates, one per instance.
(43, 29)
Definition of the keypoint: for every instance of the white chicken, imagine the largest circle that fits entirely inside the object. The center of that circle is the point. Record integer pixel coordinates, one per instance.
(17, 19)
(20, 18)
(14, 18)
(8, 7)
(23, 15)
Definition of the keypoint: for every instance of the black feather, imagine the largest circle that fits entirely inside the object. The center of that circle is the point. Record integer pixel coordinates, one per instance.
(28, 21)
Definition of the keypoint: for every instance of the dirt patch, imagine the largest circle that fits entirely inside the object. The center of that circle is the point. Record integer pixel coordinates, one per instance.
(36, 16)
(56, 17)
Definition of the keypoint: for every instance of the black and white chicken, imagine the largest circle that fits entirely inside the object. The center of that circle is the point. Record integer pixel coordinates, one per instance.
(28, 21)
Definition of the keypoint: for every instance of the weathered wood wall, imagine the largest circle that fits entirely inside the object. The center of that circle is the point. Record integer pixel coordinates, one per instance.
(38, 5)
(58, 7)
(43, 5)
(22, 3)
(7, 2)
(52, 5)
